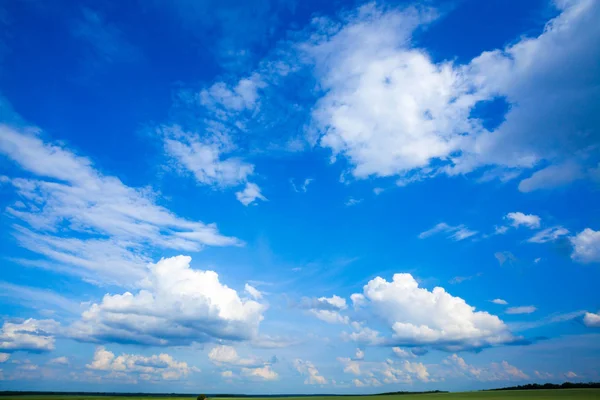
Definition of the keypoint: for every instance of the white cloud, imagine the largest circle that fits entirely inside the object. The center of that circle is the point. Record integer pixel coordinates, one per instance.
(494, 372)
(357, 383)
(529, 220)
(521, 310)
(328, 309)
(458, 233)
(205, 158)
(178, 305)
(59, 361)
(30, 335)
(302, 188)
(244, 96)
(227, 374)
(551, 177)
(504, 256)
(548, 235)
(4, 357)
(252, 291)
(418, 316)
(402, 353)
(89, 224)
(372, 373)
(591, 320)
(223, 354)
(352, 201)
(500, 302)
(360, 354)
(392, 111)
(543, 375)
(307, 368)
(586, 246)
(264, 373)
(155, 367)
(571, 374)
(249, 195)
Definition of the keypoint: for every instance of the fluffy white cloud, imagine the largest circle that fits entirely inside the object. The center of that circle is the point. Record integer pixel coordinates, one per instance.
(30, 335)
(249, 194)
(372, 373)
(59, 361)
(402, 353)
(4, 357)
(548, 235)
(244, 96)
(459, 232)
(223, 354)
(178, 305)
(571, 374)
(586, 246)
(500, 302)
(494, 372)
(155, 367)
(264, 373)
(521, 310)
(392, 111)
(592, 320)
(205, 158)
(312, 373)
(89, 224)
(328, 309)
(529, 220)
(418, 316)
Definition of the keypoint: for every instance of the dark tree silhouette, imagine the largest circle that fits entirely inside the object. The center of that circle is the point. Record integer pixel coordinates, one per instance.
(201, 397)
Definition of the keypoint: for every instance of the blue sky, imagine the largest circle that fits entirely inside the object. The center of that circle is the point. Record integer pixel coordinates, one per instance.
(297, 197)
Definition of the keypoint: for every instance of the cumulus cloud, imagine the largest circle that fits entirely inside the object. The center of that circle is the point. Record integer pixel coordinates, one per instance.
(30, 335)
(494, 372)
(390, 110)
(327, 309)
(307, 368)
(549, 235)
(417, 316)
(592, 320)
(223, 354)
(459, 232)
(264, 373)
(389, 371)
(88, 224)
(178, 305)
(4, 357)
(570, 375)
(250, 194)
(360, 354)
(528, 220)
(586, 246)
(521, 310)
(155, 367)
(403, 353)
(59, 361)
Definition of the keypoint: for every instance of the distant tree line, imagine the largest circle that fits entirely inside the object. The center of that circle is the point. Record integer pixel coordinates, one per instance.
(566, 385)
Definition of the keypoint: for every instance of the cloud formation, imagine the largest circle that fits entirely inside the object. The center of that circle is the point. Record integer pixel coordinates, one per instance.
(178, 305)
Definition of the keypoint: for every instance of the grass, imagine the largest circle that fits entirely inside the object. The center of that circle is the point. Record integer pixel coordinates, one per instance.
(582, 394)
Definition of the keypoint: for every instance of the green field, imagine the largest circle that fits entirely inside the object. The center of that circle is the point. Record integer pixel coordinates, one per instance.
(513, 394)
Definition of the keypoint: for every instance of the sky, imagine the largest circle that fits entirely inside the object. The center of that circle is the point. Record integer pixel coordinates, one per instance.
(287, 196)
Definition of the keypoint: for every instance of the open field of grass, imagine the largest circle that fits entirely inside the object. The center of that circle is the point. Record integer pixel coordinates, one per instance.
(582, 394)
